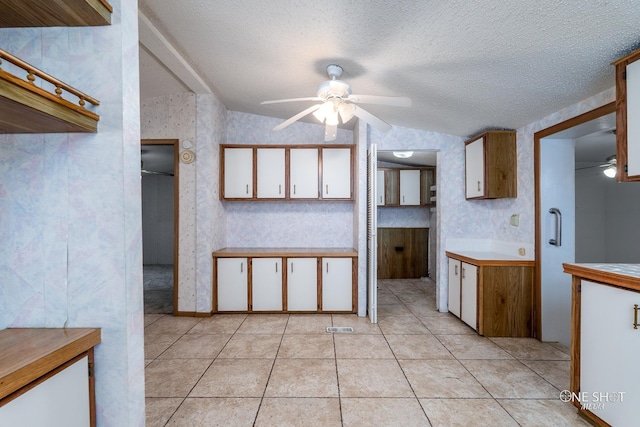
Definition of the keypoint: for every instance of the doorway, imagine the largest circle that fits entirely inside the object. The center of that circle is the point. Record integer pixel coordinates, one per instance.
(160, 191)
(555, 204)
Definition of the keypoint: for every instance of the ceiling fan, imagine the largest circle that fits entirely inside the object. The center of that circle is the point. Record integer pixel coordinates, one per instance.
(337, 101)
(609, 164)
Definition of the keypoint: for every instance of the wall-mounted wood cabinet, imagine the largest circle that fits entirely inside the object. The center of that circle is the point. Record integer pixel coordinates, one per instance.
(491, 165)
(270, 172)
(314, 280)
(627, 112)
(494, 297)
(54, 13)
(406, 186)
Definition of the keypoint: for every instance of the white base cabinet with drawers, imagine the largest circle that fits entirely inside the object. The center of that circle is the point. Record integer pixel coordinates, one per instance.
(314, 280)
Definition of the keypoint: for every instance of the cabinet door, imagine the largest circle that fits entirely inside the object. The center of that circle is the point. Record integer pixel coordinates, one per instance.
(238, 173)
(380, 188)
(609, 349)
(409, 187)
(474, 168)
(232, 284)
(266, 284)
(426, 182)
(270, 170)
(302, 284)
(303, 173)
(61, 400)
(337, 284)
(454, 287)
(391, 187)
(336, 173)
(469, 295)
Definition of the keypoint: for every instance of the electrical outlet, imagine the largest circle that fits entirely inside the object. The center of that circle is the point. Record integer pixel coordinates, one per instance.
(521, 251)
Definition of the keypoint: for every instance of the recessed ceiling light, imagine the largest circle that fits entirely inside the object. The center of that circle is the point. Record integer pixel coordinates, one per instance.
(403, 154)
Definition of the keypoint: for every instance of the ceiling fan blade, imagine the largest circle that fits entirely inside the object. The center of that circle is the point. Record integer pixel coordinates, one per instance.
(297, 116)
(330, 132)
(396, 101)
(369, 118)
(278, 101)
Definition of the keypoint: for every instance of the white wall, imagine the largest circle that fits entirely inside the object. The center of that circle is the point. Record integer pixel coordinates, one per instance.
(70, 217)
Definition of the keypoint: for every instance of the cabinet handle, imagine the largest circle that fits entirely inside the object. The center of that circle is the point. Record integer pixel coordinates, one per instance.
(276, 267)
(456, 269)
(403, 198)
(479, 186)
(279, 188)
(247, 190)
(327, 267)
(327, 189)
(292, 267)
(635, 316)
(463, 273)
(294, 189)
(241, 267)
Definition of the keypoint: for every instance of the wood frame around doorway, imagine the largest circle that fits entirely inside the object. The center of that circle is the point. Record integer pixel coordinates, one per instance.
(176, 210)
(575, 121)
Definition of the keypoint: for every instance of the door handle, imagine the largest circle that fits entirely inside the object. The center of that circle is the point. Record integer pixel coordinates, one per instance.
(558, 237)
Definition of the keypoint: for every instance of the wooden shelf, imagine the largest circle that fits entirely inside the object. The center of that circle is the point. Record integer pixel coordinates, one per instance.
(27, 108)
(54, 13)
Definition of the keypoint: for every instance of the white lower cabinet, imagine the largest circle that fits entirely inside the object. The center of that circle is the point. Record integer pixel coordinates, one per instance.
(62, 400)
(266, 284)
(337, 284)
(468, 295)
(232, 284)
(609, 349)
(454, 286)
(302, 284)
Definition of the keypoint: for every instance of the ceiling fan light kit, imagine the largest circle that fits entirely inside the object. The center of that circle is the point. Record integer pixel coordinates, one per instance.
(338, 103)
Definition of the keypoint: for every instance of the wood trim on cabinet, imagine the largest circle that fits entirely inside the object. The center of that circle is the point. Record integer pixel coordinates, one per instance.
(537, 136)
(354, 284)
(490, 262)
(621, 117)
(319, 277)
(574, 380)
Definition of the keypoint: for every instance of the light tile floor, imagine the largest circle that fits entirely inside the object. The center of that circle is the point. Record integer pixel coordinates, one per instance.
(416, 367)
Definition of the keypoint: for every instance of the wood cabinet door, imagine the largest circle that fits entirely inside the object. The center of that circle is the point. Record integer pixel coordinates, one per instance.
(380, 188)
(233, 289)
(266, 284)
(238, 173)
(454, 287)
(469, 295)
(409, 187)
(474, 168)
(609, 349)
(303, 173)
(336, 173)
(270, 167)
(337, 284)
(391, 187)
(302, 284)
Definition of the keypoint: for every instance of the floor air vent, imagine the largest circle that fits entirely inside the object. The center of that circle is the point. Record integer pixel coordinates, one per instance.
(340, 329)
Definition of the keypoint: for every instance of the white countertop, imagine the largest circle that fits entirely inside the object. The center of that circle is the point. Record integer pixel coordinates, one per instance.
(488, 255)
(631, 270)
(623, 275)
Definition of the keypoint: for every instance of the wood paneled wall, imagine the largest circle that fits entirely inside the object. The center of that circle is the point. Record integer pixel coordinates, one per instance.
(403, 253)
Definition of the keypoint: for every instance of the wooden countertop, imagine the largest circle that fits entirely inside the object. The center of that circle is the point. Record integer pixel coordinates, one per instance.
(285, 252)
(622, 275)
(28, 354)
(480, 258)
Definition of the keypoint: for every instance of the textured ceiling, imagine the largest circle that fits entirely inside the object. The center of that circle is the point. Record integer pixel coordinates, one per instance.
(467, 65)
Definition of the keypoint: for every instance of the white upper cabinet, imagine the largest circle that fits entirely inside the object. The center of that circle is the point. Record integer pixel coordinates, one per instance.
(380, 188)
(238, 173)
(336, 173)
(303, 173)
(627, 112)
(474, 161)
(409, 187)
(270, 164)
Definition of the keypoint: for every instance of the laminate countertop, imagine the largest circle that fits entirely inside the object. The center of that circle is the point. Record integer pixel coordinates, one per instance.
(285, 252)
(490, 258)
(27, 354)
(622, 275)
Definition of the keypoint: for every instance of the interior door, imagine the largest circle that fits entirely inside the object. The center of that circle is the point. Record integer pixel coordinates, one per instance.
(557, 193)
(372, 239)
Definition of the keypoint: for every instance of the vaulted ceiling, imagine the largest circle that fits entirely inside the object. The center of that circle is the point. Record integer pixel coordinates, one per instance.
(467, 65)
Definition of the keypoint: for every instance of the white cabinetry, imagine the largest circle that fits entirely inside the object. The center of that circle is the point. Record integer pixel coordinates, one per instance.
(474, 163)
(633, 125)
(233, 294)
(266, 284)
(270, 165)
(627, 112)
(302, 284)
(62, 400)
(409, 187)
(380, 188)
(336, 173)
(454, 286)
(238, 173)
(303, 173)
(468, 291)
(337, 284)
(609, 349)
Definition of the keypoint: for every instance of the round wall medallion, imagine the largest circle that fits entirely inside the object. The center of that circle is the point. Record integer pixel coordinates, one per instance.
(187, 156)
